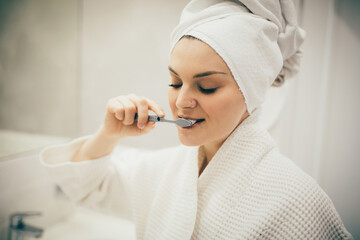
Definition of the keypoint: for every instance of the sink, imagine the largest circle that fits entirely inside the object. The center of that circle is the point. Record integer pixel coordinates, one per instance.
(88, 225)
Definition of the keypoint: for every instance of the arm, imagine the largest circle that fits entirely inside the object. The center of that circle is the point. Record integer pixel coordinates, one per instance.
(97, 146)
(119, 123)
(83, 167)
(102, 184)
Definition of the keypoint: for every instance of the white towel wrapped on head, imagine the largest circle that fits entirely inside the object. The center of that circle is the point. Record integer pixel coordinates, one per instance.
(259, 40)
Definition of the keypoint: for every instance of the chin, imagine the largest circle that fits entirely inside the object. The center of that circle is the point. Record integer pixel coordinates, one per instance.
(190, 141)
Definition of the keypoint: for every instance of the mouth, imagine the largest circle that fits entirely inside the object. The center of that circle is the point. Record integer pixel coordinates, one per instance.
(199, 120)
(194, 120)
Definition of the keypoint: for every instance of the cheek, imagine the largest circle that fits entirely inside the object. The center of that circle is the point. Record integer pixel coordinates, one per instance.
(226, 109)
(172, 96)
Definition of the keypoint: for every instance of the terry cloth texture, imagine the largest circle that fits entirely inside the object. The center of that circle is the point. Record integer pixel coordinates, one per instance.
(259, 40)
(247, 191)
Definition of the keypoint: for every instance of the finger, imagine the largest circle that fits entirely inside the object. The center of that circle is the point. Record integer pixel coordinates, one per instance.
(148, 127)
(142, 110)
(120, 112)
(115, 107)
(129, 109)
(153, 106)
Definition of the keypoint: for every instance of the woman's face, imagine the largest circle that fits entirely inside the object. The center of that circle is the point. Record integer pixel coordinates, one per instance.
(202, 88)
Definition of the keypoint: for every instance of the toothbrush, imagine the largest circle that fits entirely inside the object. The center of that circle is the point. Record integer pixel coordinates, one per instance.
(182, 122)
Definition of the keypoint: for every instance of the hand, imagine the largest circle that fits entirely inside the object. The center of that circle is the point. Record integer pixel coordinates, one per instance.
(120, 114)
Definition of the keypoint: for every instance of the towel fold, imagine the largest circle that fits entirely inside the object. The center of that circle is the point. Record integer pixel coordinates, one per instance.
(259, 40)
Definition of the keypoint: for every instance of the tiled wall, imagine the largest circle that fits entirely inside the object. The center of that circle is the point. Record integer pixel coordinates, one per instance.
(39, 66)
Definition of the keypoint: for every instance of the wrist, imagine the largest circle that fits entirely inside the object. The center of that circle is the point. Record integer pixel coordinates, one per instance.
(107, 136)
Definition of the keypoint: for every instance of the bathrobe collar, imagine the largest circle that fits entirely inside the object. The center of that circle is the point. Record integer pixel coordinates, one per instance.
(228, 174)
(192, 201)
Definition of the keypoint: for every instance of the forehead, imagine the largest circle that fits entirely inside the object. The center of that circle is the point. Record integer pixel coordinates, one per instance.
(192, 54)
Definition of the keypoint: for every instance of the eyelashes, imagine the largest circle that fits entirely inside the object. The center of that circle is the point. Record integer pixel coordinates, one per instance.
(203, 90)
(175, 85)
(207, 90)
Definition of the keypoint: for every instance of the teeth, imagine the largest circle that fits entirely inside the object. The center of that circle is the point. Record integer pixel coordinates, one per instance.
(193, 121)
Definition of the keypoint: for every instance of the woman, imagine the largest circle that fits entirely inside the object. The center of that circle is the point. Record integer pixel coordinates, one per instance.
(228, 180)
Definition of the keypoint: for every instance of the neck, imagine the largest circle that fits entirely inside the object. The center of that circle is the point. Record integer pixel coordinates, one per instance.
(210, 150)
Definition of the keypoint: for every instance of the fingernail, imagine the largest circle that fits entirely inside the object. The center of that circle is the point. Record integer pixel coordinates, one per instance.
(161, 112)
(141, 125)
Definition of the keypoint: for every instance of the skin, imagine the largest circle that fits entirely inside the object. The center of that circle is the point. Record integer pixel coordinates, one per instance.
(202, 87)
(195, 66)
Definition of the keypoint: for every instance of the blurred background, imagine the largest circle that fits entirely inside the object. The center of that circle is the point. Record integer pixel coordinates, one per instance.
(61, 60)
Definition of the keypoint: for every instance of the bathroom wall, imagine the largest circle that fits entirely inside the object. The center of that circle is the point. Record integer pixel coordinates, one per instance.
(39, 66)
(319, 126)
(125, 50)
(340, 155)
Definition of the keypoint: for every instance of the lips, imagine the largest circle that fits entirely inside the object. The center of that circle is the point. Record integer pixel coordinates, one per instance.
(191, 118)
(197, 121)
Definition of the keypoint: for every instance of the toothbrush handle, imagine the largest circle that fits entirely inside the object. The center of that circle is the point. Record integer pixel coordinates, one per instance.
(152, 118)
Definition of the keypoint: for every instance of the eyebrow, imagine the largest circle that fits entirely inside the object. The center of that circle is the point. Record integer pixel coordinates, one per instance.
(199, 75)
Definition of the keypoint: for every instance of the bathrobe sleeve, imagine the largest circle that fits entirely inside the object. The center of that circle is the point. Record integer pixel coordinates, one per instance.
(101, 184)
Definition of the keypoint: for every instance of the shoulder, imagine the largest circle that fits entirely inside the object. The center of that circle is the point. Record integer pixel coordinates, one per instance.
(294, 184)
(300, 204)
(281, 172)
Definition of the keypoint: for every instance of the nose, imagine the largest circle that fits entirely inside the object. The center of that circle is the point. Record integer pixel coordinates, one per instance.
(185, 99)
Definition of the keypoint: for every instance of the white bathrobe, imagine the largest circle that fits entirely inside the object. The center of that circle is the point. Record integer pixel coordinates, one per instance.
(248, 190)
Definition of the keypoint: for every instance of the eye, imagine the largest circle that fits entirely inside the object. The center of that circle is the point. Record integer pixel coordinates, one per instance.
(207, 90)
(175, 85)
